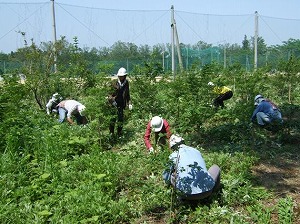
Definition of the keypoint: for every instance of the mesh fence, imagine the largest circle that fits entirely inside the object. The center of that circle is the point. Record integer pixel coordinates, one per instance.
(96, 27)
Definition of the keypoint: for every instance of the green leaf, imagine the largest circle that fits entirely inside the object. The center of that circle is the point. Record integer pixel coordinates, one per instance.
(63, 163)
(45, 175)
(45, 213)
(99, 176)
(107, 184)
(77, 140)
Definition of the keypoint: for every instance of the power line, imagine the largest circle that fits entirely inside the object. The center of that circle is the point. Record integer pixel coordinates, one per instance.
(116, 10)
(270, 28)
(150, 25)
(83, 24)
(189, 27)
(25, 19)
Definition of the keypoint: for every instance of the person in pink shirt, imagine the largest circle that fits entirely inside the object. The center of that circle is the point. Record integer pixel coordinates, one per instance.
(162, 132)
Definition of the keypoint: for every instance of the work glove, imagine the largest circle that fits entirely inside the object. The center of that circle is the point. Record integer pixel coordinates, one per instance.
(130, 106)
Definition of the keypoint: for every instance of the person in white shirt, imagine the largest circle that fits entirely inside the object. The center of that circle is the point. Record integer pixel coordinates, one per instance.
(69, 108)
(51, 106)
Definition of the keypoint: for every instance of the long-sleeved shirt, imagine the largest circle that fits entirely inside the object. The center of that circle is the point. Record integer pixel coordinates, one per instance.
(49, 105)
(53, 102)
(165, 130)
(265, 107)
(221, 90)
(120, 94)
(189, 173)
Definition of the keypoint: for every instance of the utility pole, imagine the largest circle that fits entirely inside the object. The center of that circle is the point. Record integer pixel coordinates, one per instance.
(54, 35)
(175, 35)
(178, 48)
(255, 40)
(172, 42)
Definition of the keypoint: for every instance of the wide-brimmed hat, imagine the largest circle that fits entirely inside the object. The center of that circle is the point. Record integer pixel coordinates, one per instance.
(122, 72)
(156, 123)
(81, 109)
(175, 140)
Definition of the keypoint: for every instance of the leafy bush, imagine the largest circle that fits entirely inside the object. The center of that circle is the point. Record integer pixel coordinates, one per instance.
(53, 172)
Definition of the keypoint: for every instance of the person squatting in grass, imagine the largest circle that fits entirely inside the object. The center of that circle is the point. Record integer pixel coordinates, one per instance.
(51, 106)
(266, 112)
(188, 174)
(162, 133)
(224, 93)
(119, 99)
(71, 108)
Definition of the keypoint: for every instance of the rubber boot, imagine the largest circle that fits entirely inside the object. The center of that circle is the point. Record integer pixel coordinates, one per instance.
(120, 131)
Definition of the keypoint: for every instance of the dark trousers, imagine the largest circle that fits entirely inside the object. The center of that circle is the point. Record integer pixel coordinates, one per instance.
(160, 139)
(119, 119)
(219, 100)
(81, 119)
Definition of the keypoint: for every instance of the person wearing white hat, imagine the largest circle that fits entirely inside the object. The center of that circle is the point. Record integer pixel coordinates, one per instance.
(187, 172)
(51, 106)
(266, 112)
(69, 108)
(119, 99)
(223, 92)
(162, 132)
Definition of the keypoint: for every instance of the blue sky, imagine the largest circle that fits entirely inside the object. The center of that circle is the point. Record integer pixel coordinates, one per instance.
(228, 21)
(272, 8)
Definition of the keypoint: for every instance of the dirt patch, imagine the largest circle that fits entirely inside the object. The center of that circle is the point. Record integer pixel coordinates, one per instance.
(281, 175)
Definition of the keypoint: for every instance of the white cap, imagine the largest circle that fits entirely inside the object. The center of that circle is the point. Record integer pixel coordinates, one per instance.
(175, 139)
(256, 101)
(122, 72)
(210, 84)
(56, 96)
(157, 123)
(81, 108)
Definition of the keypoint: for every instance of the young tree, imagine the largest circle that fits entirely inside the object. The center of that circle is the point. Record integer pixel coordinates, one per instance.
(245, 43)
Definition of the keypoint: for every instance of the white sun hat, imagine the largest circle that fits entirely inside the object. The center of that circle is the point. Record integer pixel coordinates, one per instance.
(81, 109)
(175, 140)
(122, 72)
(156, 123)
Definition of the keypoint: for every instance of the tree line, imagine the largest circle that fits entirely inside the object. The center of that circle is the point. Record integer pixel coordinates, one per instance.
(158, 57)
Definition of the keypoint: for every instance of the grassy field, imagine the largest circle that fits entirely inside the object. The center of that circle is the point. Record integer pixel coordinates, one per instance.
(57, 173)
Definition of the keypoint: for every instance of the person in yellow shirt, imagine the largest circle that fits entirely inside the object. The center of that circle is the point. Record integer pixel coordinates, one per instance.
(223, 92)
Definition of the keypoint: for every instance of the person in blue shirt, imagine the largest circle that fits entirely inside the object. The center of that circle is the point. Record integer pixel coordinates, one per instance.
(266, 112)
(187, 172)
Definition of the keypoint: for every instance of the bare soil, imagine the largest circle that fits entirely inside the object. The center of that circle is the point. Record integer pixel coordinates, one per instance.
(282, 177)
(279, 167)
